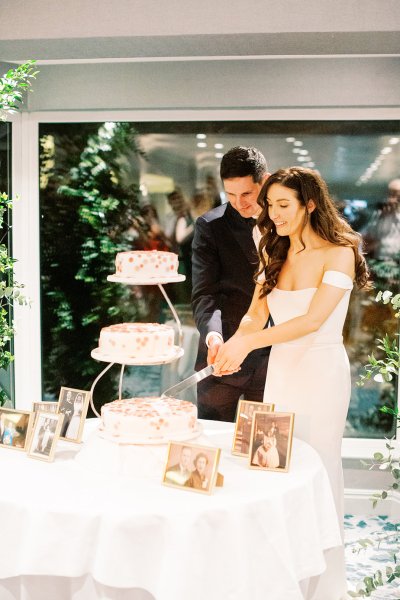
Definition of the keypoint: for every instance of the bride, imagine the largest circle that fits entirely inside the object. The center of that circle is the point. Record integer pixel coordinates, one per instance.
(310, 257)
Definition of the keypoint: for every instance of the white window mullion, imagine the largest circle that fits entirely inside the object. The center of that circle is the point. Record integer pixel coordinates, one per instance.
(26, 249)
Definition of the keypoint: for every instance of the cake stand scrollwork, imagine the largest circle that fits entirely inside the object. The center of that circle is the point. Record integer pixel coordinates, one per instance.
(159, 282)
(176, 351)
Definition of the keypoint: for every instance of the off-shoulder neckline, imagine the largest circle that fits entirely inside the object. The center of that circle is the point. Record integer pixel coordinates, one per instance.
(314, 288)
(300, 290)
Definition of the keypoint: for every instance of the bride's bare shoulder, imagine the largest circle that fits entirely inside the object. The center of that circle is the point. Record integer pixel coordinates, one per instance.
(340, 258)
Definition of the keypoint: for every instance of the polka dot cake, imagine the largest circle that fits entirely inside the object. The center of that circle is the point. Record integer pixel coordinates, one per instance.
(146, 264)
(138, 419)
(136, 340)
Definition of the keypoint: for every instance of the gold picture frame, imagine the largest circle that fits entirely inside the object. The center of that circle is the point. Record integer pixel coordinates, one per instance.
(192, 467)
(243, 424)
(15, 427)
(73, 404)
(45, 434)
(51, 407)
(271, 441)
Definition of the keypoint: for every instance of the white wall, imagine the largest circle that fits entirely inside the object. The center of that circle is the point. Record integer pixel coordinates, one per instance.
(291, 40)
(261, 83)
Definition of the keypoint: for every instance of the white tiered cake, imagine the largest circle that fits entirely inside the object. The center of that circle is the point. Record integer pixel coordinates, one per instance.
(146, 264)
(136, 340)
(148, 420)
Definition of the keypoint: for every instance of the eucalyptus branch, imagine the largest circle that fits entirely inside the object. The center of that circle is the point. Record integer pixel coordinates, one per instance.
(13, 85)
(384, 369)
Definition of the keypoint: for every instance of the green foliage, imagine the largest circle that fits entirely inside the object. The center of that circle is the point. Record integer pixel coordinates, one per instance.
(387, 367)
(13, 85)
(384, 369)
(88, 216)
(10, 291)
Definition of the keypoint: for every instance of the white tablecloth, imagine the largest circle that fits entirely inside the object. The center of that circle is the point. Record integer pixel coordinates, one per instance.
(68, 532)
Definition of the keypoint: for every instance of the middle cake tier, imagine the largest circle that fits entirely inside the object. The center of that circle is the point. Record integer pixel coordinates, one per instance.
(136, 340)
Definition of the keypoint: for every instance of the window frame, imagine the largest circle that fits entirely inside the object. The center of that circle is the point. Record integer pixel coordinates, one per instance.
(26, 234)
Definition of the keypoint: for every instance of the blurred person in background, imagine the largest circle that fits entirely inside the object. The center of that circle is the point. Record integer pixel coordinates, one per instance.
(382, 238)
(182, 233)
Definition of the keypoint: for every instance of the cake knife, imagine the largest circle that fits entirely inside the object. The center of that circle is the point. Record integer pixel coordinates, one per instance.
(188, 382)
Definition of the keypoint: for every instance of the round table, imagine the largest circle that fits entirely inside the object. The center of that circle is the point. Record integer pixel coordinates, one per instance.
(68, 532)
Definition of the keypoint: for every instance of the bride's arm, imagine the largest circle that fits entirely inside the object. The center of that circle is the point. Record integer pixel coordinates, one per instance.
(326, 298)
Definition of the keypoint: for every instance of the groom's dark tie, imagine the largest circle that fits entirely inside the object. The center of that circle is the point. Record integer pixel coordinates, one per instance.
(250, 222)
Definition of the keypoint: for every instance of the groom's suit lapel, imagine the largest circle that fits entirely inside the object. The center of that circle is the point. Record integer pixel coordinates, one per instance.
(241, 235)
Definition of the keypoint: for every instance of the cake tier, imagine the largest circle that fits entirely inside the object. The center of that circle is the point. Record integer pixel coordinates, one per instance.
(136, 340)
(136, 420)
(146, 264)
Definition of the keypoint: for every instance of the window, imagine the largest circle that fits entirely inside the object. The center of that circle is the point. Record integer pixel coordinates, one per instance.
(110, 186)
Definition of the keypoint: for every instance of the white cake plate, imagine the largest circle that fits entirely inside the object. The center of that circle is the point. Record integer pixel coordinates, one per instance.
(155, 441)
(163, 359)
(144, 281)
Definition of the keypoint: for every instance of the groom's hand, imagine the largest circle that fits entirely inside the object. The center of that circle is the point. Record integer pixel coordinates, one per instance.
(214, 344)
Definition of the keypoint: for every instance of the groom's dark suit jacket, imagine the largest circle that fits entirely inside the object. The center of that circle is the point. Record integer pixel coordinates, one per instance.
(224, 262)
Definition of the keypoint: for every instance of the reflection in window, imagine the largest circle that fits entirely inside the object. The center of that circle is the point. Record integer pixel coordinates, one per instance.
(107, 187)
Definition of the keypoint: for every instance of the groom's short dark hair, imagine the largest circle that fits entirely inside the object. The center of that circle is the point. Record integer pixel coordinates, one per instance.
(241, 161)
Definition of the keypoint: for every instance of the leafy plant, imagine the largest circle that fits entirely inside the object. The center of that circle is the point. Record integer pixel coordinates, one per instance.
(12, 87)
(384, 369)
(90, 208)
(387, 367)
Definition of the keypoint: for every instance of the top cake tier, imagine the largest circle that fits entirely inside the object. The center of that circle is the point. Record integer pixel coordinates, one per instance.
(146, 264)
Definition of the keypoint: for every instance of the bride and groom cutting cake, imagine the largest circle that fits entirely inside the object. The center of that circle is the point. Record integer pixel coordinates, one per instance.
(299, 283)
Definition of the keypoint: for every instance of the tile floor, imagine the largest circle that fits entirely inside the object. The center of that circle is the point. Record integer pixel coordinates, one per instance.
(365, 562)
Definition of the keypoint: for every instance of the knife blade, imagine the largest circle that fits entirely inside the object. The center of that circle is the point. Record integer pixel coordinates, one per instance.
(188, 382)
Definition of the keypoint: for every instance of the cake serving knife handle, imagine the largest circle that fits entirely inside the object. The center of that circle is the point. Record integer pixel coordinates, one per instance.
(188, 382)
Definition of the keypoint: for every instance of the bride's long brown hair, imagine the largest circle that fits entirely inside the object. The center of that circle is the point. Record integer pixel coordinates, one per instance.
(325, 220)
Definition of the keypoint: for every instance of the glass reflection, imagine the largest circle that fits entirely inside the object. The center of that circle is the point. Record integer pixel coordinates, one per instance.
(107, 187)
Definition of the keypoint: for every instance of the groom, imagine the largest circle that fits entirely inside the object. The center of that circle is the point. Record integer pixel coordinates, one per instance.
(224, 257)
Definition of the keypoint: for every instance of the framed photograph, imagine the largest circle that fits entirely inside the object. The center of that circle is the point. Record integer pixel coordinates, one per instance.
(45, 407)
(45, 433)
(191, 467)
(243, 424)
(15, 426)
(73, 404)
(271, 441)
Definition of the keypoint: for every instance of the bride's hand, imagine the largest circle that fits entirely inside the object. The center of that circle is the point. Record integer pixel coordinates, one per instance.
(231, 355)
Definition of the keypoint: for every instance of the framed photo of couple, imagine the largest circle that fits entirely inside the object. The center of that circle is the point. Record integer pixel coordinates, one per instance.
(271, 441)
(243, 424)
(192, 467)
(73, 404)
(45, 433)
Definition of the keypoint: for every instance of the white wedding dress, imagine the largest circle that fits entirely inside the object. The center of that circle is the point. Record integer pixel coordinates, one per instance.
(310, 376)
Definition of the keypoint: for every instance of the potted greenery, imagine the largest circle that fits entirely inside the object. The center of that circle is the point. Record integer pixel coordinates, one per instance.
(13, 85)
